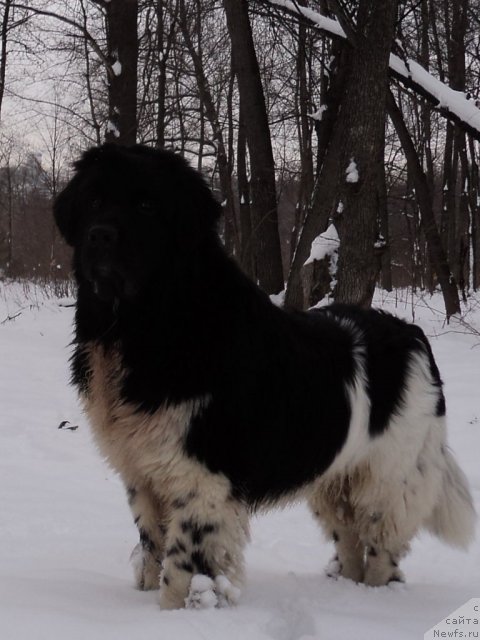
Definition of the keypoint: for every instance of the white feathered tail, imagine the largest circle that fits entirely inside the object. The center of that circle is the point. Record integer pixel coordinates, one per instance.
(453, 519)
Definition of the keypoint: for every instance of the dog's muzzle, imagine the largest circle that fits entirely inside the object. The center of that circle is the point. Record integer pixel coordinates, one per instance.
(100, 260)
(102, 238)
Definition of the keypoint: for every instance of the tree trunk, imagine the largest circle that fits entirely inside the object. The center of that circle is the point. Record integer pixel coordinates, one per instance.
(122, 47)
(366, 101)
(303, 107)
(474, 206)
(3, 49)
(437, 253)
(162, 75)
(354, 147)
(323, 198)
(383, 246)
(262, 186)
(247, 254)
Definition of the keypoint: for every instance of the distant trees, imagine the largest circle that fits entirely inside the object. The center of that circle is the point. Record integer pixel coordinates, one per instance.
(28, 245)
(282, 109)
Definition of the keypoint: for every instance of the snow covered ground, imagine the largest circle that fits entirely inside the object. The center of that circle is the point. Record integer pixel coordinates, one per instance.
(66, 532)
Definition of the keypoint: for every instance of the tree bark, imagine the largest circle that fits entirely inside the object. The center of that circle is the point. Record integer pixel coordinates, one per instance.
(247, 254)
(356, 141)
(122, 55)
(437, 253)
(358, 265)
(3, 50)
(474, 206)
(262, 184)
(323, 198)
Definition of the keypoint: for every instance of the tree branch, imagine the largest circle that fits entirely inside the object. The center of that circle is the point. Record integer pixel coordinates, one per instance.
(72, 23)
(449, 103)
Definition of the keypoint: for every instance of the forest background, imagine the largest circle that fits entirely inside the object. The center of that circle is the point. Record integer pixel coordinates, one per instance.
(340, 136)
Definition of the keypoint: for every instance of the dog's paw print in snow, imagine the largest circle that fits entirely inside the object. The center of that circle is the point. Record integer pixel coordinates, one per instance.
(206, 593)
(292, 621)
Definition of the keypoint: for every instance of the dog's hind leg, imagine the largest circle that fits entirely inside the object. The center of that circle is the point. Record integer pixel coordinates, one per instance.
(203, 564)
(331, 507)
(150, 515)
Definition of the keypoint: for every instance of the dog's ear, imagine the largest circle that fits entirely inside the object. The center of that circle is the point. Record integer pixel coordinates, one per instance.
(199, 211)
(64, 210)
(65, 205)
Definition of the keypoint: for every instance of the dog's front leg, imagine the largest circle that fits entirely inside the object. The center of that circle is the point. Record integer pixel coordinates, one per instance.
(150, 514)
(203, 564)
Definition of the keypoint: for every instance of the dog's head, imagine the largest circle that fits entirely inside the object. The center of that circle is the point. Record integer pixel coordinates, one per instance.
(130, 213)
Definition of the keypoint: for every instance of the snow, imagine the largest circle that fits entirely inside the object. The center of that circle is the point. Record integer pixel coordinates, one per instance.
(278, 299)
(117, 68)
(66, 533)
(111, 127)
(324, 245)
(455, 101)
(327, 24)
(318, 114)
(352, 172)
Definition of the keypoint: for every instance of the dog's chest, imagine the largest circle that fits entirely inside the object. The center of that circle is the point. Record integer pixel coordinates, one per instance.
(133, 441)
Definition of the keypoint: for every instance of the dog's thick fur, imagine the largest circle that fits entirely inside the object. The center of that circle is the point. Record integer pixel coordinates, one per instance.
(212, 403)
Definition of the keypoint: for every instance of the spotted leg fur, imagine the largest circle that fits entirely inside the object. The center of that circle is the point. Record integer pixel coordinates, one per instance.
(206, 537)
(151, 517)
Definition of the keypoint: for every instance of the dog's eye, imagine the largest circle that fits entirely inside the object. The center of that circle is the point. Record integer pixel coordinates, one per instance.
(146, 206)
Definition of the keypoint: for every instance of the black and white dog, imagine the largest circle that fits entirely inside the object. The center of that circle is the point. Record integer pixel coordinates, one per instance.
(212, 403)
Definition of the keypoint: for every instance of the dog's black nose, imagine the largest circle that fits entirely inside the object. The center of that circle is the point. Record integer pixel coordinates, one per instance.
(102, 236)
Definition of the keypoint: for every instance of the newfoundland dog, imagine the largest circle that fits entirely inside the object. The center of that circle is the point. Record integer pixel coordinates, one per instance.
(213, 404)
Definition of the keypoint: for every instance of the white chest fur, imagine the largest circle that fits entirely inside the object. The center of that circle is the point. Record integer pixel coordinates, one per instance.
(136, 443)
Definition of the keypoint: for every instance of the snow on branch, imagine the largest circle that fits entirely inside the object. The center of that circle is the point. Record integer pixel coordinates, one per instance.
(450, 103)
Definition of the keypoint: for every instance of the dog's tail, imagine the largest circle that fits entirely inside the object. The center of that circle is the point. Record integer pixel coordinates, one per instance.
(453, 519)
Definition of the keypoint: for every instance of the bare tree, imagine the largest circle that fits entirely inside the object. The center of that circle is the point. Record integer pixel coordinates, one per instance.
(262, 183)
(437, 253)
(211, 113)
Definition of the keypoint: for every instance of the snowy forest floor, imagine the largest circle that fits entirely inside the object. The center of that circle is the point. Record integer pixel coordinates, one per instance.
(66, 533)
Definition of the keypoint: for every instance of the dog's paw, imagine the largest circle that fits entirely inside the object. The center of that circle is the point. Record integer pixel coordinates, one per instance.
(381, 579)
(202, 593)
(334, 568)
(146, 569)
(227, 594)
(206, 593)
(397, 577)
